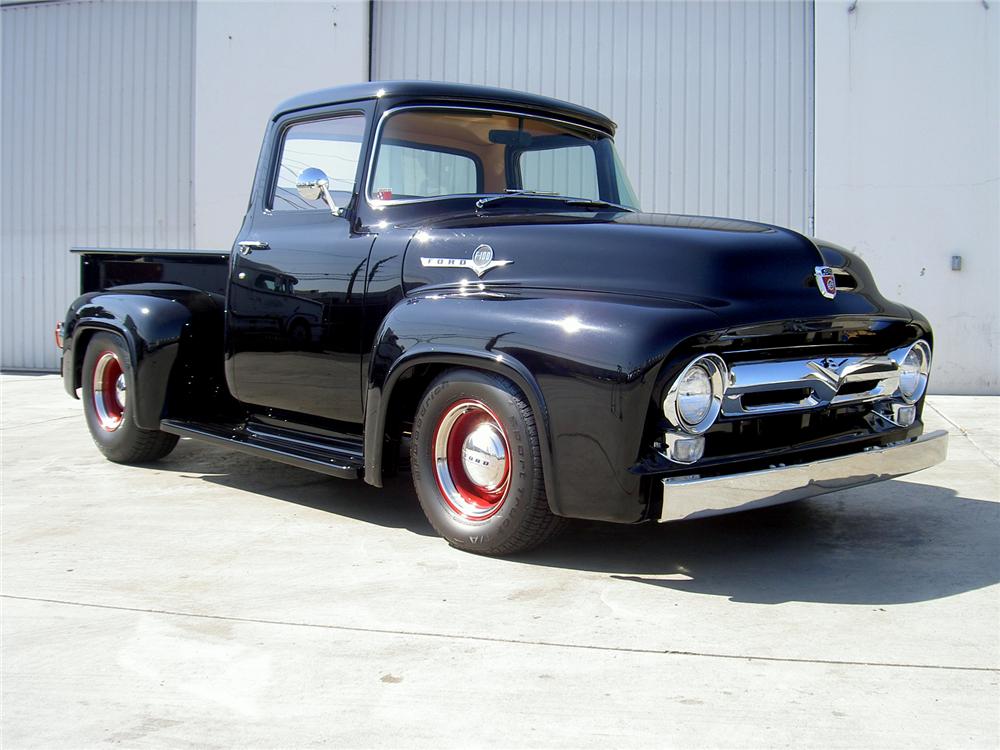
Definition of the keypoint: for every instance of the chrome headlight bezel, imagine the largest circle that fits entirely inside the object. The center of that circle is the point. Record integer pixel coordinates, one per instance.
(718, 375)
(922, 349)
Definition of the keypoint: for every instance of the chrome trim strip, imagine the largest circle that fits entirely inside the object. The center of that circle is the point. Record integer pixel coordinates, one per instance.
(824, 378)
(840, 271)
(480, 262)
(76, 250)
(382, 205)
(685, 498)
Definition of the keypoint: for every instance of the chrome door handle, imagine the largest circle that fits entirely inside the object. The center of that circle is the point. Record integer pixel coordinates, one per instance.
(248, 246)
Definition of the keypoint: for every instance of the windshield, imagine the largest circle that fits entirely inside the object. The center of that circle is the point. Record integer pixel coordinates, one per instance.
(424, 154)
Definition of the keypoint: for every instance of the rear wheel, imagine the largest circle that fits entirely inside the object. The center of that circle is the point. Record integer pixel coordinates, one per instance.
(108, 383)
(476, 465)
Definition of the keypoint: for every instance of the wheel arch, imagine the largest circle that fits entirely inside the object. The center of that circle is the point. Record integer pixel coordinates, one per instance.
(388, 401)
(83, 333)
(151, 368)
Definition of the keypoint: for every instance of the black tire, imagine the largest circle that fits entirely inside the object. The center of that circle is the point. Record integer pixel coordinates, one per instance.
(515, 518)
(110, 422)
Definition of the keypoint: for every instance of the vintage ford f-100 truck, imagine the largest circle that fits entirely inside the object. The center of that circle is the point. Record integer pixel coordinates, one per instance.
(463, 273)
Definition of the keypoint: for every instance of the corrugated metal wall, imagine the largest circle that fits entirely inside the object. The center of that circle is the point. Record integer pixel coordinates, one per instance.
(714, 100)
(96, 111)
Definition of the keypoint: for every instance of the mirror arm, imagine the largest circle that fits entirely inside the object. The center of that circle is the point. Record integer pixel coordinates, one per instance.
(324, 192)
(313, 184)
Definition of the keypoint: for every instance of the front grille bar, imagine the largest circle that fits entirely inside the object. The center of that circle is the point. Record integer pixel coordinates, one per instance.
(799, 385)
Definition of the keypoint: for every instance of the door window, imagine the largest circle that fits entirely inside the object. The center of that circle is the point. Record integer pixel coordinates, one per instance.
(333, 145)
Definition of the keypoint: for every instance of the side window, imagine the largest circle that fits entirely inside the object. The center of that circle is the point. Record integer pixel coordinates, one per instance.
(405, 171)
(266, 282)
(570, 171)
(333, 145)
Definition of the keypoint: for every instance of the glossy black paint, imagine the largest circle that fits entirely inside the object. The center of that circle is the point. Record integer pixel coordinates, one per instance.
(174, 335)
(745, 273)
(588, 339)
(593, 318)
(401, 93)
(592, 363)
(295, 310)
(589, 386)
(294, 316)
(103, 268)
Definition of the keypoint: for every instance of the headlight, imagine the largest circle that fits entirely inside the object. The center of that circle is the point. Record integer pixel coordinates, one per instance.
(914, 367)
(695, 397)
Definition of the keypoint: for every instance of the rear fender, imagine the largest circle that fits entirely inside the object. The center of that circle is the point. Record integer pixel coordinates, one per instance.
(174, 338)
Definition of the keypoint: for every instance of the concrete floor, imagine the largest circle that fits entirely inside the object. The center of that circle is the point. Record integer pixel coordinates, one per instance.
(216, 600)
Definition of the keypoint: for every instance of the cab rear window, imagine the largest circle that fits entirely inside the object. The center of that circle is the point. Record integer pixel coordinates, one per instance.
(407, 170)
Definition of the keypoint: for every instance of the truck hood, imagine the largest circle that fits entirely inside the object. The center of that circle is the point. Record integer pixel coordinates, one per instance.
(743, 271)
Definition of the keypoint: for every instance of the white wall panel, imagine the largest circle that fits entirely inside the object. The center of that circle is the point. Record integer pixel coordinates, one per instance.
(251, 56)
(714, 100)
(96, 108)
(908, 165)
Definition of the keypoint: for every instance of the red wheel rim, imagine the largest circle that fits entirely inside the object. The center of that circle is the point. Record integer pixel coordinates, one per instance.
(471, 460)
(109, 391)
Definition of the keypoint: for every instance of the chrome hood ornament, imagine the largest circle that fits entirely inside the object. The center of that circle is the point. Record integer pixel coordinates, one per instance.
(826, 281)
(481, 261)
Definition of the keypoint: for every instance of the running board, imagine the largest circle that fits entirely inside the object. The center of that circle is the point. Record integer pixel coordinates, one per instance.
(336, 458)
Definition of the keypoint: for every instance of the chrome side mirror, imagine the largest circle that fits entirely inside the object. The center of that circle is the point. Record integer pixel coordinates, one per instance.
(313, 184)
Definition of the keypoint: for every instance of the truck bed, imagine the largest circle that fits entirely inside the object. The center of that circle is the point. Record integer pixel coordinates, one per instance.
(108, 267)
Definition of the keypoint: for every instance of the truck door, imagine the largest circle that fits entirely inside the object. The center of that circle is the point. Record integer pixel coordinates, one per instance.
(296, 287)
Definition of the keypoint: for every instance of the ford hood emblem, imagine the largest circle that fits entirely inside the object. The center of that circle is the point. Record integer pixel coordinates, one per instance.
(481, 261)
(826, 281)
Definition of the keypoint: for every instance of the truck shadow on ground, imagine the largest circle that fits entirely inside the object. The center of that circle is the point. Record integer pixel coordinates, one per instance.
(891, 543)
(898, 542)
(393, 506)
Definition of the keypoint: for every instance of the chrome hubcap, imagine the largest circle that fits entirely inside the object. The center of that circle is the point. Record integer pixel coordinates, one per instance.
(471, 460)
(484, 458)
(109, 387)
(120, 390)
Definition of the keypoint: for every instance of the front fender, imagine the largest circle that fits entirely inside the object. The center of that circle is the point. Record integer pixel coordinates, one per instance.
(586, 363)
(157, 323)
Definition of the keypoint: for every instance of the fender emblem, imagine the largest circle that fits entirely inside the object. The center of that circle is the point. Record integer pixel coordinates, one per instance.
(481, 261)
(826, 282)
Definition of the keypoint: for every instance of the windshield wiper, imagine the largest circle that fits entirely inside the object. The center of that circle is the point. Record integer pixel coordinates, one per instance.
(585, 202)
(588, 203)
(512, 193)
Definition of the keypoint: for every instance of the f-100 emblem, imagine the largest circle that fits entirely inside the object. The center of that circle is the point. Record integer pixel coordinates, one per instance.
(826, 281)
(480, 262)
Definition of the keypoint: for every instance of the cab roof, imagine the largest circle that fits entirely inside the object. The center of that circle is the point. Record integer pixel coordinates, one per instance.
(412, 92)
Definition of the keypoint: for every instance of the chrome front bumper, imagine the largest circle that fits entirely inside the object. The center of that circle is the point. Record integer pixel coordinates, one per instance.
(697, 498)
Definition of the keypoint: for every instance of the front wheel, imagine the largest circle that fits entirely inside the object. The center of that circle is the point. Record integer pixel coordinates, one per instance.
(476, 464)
(108, 382)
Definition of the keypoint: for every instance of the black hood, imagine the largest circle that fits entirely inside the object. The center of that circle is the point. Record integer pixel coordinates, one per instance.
(743, 271)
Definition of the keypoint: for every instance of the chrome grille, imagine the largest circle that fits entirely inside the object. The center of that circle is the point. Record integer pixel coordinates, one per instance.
(796, 385)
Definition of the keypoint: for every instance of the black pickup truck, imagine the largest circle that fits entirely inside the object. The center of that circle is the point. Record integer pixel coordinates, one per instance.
(462, 275)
